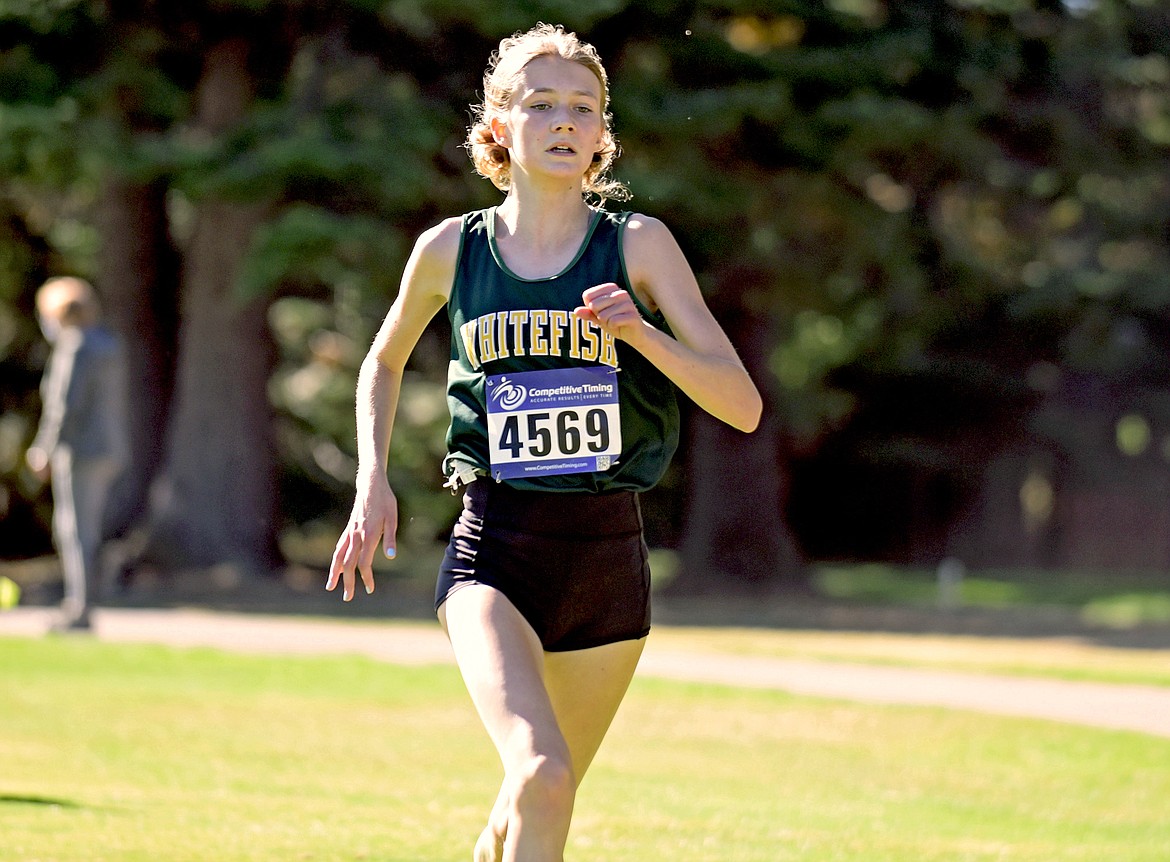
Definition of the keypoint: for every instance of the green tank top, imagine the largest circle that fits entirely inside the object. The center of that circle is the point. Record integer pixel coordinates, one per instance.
(540, 399)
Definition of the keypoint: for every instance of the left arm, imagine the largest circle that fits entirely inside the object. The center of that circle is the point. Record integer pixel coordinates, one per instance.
(700, 359)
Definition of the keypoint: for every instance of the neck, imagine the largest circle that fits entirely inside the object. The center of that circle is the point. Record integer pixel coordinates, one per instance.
(544, 217)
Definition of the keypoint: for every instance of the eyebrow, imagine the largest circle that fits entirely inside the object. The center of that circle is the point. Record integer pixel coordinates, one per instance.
(553, 90)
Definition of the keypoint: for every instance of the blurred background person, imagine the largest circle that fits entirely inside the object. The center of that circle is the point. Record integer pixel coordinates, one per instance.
(82, 438)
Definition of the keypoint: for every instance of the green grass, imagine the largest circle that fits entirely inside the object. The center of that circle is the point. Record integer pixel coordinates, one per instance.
(1115, 599)
(127, 753)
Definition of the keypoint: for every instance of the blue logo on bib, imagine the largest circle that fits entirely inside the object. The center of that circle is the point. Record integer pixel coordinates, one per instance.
(509, 395)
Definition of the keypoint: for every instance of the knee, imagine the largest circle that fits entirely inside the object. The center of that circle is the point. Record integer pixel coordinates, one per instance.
(546, 785)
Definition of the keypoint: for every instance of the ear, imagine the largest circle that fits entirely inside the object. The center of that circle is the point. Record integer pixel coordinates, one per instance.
(500, 132)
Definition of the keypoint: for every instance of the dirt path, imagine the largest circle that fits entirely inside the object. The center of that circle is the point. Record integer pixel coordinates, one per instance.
(1141, 708)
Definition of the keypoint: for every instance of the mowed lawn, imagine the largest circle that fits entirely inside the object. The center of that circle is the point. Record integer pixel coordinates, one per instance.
(130, 753)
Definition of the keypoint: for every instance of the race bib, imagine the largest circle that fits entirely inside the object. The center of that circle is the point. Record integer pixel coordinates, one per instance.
(546, 423)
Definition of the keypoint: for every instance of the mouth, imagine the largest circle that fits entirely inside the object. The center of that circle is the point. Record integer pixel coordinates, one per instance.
(562, 149)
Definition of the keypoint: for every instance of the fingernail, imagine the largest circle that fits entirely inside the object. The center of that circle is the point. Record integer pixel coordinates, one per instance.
(390, 552)
(369, 589)
(346, 596)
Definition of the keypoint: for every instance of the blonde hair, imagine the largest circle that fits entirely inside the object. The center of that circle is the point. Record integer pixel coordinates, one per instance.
(492, 160)
(69, 301)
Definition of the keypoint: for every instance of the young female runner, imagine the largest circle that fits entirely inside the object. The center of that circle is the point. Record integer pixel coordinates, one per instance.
(571, 328)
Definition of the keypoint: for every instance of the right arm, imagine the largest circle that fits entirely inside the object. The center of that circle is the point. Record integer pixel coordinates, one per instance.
(426, 284)
(59, 394)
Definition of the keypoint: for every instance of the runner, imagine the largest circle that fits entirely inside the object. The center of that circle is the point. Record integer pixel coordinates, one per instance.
(571, 328)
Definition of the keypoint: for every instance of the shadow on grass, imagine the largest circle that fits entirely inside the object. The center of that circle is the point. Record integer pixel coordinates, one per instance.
(46, 801)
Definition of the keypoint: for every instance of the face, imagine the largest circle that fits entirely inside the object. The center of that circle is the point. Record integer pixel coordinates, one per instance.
(554, 124)
(50, 309)
(50, 327)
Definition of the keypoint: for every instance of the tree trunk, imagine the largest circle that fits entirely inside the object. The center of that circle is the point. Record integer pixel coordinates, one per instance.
(139, 279)
(735, 537)
(217, 499)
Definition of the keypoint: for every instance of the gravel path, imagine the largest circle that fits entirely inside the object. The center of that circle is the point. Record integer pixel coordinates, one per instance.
(1141, 708)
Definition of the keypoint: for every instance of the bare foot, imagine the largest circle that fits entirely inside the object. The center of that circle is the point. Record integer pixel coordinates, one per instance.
(489, 847)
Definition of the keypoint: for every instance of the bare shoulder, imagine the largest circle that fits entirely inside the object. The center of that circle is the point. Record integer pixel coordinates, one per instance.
(649, 246)
(433, 260)
(439, 245)
(644, 232)
(655, 262)
(443, 237)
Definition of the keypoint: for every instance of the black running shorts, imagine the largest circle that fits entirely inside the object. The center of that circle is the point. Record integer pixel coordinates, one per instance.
(574, 564)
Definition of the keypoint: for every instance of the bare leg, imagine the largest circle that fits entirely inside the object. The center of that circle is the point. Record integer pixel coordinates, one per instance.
(502, 664)
(586, 688)
(583, 689)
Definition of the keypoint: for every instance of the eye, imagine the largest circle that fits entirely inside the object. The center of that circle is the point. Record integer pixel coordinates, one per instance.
(584, 109)
(541, 106)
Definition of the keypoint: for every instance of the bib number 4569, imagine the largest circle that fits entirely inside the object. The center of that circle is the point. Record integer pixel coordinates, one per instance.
(555, 421)
(539, 434)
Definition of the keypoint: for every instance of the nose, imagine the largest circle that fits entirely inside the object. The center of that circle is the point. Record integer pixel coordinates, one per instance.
(563, 121)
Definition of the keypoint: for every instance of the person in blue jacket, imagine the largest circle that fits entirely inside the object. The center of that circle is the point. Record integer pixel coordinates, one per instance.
(82, 438)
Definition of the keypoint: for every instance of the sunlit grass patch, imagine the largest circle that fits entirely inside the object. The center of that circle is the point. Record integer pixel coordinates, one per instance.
(1117, 599)
(135, 753)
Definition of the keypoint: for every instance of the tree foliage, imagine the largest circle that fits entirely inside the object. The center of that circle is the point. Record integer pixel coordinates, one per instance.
(918, 221)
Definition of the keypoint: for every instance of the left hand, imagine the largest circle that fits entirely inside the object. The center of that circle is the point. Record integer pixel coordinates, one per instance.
(613, 309)
(38, 462)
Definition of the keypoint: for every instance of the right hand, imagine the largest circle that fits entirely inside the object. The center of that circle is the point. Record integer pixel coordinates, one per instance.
(374, 519)
(612, 309)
